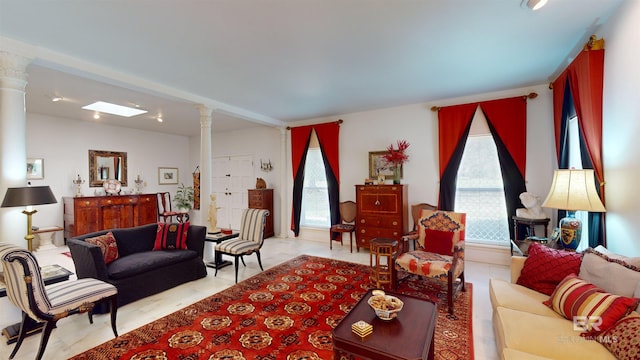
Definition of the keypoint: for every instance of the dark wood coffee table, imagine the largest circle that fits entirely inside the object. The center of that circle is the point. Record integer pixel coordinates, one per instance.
(217, 238)
(408, 336)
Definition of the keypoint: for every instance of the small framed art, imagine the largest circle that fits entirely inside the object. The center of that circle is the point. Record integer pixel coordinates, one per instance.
(378, 165)
(35, 169)
(167, 176)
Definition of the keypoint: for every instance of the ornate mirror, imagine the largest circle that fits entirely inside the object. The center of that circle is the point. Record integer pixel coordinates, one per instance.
(107, 165)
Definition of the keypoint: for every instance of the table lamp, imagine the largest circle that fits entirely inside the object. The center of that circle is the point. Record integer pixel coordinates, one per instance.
(573, 190)
(28, 196)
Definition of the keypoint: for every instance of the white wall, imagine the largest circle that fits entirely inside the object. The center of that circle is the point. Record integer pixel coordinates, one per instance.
(64, 145)
(621, 130)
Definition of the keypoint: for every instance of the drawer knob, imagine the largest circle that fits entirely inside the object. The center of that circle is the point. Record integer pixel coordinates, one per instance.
(362, 221)
(108, 201)
(87, 203)
(395, 223)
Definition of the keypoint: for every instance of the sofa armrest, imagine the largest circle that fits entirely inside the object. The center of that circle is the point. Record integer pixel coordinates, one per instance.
(517, 263)
(87, 259)
(195, 239)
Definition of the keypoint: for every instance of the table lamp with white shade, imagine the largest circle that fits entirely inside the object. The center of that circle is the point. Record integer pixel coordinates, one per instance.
(573, 190)
(28, 196)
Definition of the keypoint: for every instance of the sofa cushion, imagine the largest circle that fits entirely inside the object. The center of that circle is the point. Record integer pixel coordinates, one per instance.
(135, 264)
(518, 297)
(608, 273)
(510, 354)
(107, 244)
(575, 297)
(546, 267)
(438, 241)
(171, 236)
(551, 337)
(623, 339)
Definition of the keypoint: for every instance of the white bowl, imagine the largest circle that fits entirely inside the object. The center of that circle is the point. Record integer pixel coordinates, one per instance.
(386, 307)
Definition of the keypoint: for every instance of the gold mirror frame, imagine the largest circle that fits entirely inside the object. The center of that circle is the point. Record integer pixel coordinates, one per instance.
(102, 167)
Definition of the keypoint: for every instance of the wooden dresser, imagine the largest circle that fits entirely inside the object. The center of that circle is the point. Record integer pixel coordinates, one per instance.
(263, 199)
(382, 212)
(87, 214)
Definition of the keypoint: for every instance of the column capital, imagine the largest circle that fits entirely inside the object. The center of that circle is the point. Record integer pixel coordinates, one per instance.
(13, 66)
(205, 115)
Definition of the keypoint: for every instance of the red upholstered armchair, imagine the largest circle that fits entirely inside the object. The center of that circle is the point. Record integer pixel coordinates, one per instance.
(439, 251)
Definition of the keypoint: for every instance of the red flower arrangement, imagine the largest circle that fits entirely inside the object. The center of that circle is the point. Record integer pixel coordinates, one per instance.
(397, 156)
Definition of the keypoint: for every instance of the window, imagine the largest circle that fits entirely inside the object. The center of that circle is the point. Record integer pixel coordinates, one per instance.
(575, 162)
(480, 190)
(315, 197)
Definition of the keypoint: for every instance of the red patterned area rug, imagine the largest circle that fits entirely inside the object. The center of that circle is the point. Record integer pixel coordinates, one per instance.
(286, 312)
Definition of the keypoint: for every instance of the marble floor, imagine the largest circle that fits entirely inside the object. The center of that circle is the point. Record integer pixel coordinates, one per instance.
(75, 335)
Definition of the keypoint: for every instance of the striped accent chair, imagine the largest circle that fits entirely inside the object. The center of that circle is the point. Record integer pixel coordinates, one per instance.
(249, 240)
(49, 303)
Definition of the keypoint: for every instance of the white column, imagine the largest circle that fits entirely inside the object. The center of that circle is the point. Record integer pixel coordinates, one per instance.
(205, 173)
(13, 142)
(284, 188)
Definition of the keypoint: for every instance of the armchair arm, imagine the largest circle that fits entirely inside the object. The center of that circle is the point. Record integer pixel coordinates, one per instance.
(88, 260)
(413, 237)
(458, 257)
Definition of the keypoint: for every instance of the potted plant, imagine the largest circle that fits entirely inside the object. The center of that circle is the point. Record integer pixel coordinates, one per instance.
(184, 198)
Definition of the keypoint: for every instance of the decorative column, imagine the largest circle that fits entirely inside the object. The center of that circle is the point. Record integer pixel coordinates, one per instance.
(13, 142)
(205, 174)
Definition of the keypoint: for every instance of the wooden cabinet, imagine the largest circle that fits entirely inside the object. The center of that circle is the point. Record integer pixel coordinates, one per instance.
(382, 212)
(263, 199)
(88, 214)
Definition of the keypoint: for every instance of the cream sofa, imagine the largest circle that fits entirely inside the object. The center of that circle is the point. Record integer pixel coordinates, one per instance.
(525, 328)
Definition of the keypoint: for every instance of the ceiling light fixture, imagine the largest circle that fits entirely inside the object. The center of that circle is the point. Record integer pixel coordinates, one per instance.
(57, 98)
(159, 118)
(96, 116)
(105, 107)
(535, 4)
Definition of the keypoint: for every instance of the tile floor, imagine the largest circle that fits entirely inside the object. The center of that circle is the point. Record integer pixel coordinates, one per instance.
(74, 334)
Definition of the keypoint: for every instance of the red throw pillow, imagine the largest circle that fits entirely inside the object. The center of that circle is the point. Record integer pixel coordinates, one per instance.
(108, 246)
(438, 241)
(171, 236)
(591, 309)
(546, 267)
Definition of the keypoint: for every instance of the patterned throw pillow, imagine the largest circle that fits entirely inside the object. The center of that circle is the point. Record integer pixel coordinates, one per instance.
(443, 221)
(108, 246)
(546, 267)
(440, 242)
(171, 236)
(622, 339)
(597, 310)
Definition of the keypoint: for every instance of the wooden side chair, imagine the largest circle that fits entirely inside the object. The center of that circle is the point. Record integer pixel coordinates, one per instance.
(416, 211)
(249, 240)
(165, 214)
(346, 225)
(440, 251)
(49, 303)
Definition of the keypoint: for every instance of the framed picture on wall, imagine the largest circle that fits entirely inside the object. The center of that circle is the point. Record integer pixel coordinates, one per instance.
(378, 165)
(35, 169)
(167, 176)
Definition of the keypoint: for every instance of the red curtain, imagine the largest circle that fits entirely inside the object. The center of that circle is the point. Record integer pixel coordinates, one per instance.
(328, 138)
(586, 77)
(452, 123)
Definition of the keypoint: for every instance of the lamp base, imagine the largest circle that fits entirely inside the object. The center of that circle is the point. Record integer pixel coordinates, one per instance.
(570, 231)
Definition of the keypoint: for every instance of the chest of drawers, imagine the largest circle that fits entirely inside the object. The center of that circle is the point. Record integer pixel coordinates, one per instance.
(263, 199)
(382, 212)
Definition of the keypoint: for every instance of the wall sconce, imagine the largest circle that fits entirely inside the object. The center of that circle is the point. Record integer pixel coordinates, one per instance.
(265, 166)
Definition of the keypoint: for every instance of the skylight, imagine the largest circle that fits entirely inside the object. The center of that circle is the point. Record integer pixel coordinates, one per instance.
(108, 108)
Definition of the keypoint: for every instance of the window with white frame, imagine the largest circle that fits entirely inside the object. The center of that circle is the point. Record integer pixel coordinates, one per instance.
(315, 196)
(479, 188)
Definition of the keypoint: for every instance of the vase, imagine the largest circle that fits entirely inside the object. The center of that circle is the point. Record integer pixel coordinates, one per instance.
(396, 174)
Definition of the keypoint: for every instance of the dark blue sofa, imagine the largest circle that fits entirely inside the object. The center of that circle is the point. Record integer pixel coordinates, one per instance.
(139, 271)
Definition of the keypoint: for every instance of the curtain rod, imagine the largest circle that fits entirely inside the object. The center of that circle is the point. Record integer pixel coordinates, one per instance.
(340, 121)
(592, 44)
(531, 95)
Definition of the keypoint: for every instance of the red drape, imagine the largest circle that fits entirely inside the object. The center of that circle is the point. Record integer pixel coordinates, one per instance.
(509, 118)
(586, 77)
(328, 138)
(452, 121)
(299, 139)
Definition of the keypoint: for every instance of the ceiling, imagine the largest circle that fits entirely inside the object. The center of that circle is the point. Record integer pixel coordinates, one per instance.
(271, 62)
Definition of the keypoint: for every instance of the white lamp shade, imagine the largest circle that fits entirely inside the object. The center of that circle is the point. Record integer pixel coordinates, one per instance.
(574, 190)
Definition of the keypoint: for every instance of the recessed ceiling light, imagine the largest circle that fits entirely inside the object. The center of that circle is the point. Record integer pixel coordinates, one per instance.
(96, 116)
(114, 109)
(535, 4)
(57, 98)
(159, 118)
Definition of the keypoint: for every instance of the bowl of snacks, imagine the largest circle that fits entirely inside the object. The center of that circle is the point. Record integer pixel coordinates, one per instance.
(386, 306)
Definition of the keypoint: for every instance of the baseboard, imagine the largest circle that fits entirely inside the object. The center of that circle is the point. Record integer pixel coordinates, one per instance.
(490, 254)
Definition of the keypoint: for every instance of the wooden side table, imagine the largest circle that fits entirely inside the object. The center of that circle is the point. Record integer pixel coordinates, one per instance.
(531, 226)
(383, 253)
